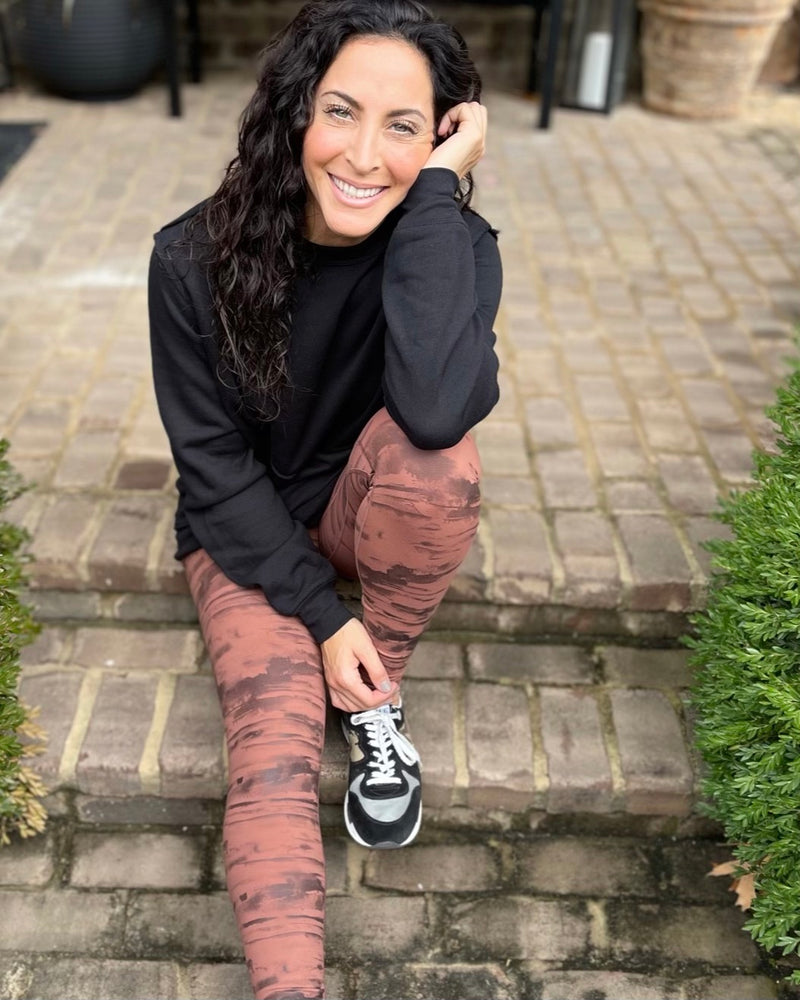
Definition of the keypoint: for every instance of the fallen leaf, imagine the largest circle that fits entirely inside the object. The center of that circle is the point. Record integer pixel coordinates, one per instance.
(743, 885)
(745, 889)
(726, 868)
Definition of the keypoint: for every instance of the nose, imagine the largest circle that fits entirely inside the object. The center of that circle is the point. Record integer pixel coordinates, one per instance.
(363, 152)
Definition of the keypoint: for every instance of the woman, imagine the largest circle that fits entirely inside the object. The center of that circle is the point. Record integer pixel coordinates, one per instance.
(322, 343)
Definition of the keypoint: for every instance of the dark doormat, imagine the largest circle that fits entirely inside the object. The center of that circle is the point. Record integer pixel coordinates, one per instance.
(15, 139)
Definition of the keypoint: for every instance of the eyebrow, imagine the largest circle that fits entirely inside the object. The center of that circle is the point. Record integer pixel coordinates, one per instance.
(397, 113)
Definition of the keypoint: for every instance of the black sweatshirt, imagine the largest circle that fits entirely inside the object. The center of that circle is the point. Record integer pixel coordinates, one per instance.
(402, 319)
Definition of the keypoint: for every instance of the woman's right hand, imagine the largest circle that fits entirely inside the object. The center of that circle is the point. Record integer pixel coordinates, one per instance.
(462, 138)
(342, 655)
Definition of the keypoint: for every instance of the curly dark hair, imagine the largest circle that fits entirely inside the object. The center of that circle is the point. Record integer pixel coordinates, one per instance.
(255, 220)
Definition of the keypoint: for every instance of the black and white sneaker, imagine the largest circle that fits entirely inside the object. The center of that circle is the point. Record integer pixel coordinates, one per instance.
(383, 804)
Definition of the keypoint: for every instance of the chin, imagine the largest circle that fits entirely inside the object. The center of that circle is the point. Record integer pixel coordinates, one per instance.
(352, 231)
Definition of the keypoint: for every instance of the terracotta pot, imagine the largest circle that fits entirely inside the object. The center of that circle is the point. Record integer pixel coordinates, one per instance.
(701, 58)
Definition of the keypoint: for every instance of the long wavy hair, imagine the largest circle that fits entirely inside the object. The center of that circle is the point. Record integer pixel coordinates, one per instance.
(255, 220)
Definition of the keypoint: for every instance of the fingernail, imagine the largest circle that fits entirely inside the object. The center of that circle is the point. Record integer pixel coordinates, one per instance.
(385, 686)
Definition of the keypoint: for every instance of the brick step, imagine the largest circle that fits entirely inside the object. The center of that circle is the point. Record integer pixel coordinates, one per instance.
(91, 978)
(110, 556)
(506, 621)
(510, 734)
(511, 916)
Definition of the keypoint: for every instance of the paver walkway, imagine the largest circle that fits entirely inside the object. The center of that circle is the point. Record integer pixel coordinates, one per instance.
(92, 914)
(652, 282)
(530, 730)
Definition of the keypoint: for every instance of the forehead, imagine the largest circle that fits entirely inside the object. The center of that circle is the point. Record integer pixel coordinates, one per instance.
(377, 70)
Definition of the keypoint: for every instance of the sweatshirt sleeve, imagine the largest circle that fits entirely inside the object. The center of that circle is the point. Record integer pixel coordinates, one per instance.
(441, 293)
(230, 502)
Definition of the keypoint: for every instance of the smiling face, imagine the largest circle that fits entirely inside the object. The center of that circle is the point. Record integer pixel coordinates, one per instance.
(371, 133)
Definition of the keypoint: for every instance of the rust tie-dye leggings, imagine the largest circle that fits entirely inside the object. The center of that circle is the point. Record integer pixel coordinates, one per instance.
(401, 521)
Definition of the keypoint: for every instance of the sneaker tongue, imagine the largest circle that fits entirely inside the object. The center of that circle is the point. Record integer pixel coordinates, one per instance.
(389, 711)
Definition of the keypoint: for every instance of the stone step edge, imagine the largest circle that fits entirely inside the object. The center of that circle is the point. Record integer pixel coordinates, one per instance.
(482, 803)
(53, 975)
(501, 727)
(124, 542)
(113, 795)
(469, 616)
(146, 812)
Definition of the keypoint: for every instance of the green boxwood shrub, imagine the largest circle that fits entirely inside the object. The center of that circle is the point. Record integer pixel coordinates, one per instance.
(747, 688)
(21, 810)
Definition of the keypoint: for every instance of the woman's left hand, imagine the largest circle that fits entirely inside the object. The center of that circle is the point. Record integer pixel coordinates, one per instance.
(465, 127)
(344, 655)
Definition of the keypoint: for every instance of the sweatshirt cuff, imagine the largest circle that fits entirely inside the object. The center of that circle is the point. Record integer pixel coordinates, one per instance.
(323, 614)
(431, 182)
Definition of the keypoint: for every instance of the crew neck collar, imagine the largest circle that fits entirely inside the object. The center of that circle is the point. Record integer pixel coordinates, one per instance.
(374, 244)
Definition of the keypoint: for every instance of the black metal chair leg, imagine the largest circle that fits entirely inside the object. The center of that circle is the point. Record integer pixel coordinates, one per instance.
(536, 34)
(617, 14)
(195, 43)
(6, 67)
(548, 83)
(172, 58)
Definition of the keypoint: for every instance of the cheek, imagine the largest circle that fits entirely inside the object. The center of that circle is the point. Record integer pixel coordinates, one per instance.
(406, 163)
(320, 146)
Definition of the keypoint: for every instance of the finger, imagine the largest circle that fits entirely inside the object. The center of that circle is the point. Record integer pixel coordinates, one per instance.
(479, 117)
(473, 123)
(346, 691)
(368, 699)
(471, 110)
(344, 703)
(465, 114)
(445, 125)
(373, 666)
(350, 691)
(374, 699)
(452, 119)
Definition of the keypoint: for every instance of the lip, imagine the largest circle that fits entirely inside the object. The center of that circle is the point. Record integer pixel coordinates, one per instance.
(354, 202)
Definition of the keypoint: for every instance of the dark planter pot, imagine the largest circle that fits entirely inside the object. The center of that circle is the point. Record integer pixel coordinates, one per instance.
(105, 49)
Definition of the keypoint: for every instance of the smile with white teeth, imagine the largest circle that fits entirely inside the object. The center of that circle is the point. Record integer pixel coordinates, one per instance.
(354, 192)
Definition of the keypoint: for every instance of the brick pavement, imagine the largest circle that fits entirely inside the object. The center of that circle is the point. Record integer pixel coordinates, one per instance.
(517, 733)
(93, 911)
(651, 280)
(651, 284)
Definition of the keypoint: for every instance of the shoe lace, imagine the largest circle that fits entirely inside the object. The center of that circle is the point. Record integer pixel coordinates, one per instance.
(386, 745)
